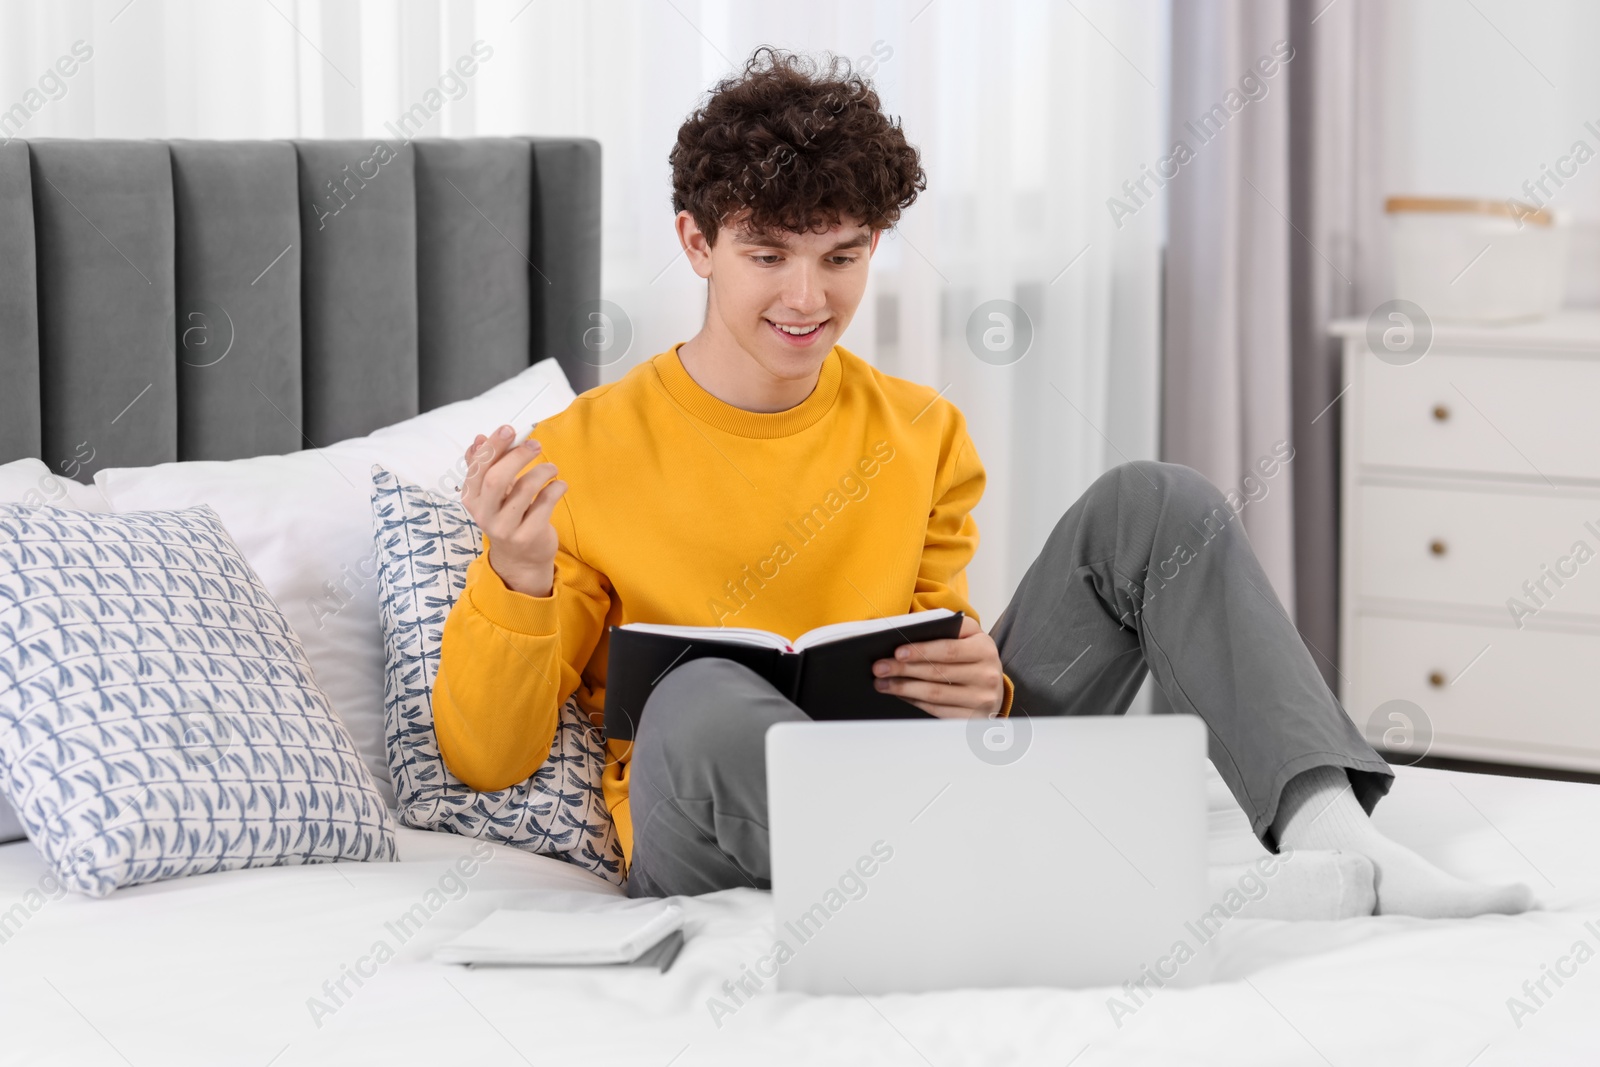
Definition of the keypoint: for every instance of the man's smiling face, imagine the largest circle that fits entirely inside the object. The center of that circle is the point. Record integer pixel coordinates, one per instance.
(786, 298)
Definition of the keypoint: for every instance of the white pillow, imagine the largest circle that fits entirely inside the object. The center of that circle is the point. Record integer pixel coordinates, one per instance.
(304, 523)
(30, 482)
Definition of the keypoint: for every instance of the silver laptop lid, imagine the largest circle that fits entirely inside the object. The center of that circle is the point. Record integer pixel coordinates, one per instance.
(941, 854)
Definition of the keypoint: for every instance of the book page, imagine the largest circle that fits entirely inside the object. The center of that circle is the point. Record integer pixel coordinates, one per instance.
(728, 635)
(839, 631)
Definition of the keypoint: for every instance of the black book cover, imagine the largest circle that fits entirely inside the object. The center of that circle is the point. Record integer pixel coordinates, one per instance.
(827, 681)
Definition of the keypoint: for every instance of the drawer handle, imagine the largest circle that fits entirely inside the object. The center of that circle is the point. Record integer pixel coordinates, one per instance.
(1437, 547)
(1440, 413)
(1436, 679)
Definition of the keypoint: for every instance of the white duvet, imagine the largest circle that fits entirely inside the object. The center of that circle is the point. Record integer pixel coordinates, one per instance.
(329, 964)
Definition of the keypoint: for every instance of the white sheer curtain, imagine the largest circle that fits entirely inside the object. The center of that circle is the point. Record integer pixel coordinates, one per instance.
(1029, 114)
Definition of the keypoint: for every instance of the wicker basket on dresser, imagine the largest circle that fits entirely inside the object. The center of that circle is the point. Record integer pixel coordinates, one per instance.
(1470, 542)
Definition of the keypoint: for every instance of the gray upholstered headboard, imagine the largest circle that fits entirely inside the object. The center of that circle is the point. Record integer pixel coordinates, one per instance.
(165, 300)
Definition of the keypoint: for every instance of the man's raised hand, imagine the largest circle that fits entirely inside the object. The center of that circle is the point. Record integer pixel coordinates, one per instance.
(512, 511)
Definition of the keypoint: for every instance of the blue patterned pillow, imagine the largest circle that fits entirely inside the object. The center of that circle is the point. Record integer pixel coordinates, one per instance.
(425, 542)
(157, 714)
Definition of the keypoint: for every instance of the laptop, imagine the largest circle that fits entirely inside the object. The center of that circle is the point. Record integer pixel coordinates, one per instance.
(914, 855)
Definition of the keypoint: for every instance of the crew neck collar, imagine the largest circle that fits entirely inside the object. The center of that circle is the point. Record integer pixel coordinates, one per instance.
(766, 424)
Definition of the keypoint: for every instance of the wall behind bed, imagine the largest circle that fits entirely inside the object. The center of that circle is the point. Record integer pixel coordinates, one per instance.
(167, 300)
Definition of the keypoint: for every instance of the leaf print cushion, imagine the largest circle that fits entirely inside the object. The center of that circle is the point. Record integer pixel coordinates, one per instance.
(425, 542)
(158, 716)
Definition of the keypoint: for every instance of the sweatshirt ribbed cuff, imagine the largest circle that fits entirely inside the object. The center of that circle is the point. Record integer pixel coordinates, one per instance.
(534, 616)
(1005, 708)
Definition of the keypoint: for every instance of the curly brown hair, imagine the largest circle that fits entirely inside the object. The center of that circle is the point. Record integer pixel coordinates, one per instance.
(797, 145)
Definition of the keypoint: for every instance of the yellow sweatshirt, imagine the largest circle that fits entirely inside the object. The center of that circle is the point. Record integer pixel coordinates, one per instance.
(680, 508)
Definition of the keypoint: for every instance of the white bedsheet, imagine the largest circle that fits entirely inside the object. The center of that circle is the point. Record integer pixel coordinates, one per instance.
(220, 969)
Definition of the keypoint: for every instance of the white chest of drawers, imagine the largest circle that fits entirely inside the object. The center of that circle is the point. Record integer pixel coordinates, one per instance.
(1470, 543)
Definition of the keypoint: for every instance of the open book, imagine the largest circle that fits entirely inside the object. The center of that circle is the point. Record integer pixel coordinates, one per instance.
(826, 671)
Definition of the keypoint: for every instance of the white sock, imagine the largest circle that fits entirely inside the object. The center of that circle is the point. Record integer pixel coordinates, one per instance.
(1319, 810)
(1296, 884)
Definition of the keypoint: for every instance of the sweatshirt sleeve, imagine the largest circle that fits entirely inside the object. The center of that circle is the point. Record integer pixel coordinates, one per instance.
(508, 661)
(952, 536)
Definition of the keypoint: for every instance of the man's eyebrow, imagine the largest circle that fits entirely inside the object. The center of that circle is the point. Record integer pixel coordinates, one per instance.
(776, 241)
(857, 241)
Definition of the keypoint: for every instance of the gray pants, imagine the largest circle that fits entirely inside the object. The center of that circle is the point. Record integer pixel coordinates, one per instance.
(1149, 570)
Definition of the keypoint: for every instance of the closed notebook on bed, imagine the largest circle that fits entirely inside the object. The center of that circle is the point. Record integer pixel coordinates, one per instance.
(827, 672)
(510, 937)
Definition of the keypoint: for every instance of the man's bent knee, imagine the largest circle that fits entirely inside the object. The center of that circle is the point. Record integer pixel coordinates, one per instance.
(699, 704)
(1179, 487)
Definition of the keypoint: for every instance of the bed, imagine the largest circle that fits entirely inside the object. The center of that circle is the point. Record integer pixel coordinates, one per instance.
(232, 968)
(426, 283)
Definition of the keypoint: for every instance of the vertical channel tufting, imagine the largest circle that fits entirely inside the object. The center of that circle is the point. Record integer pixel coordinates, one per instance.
(19, 309)
(400, 288)
(474, 208)
(358, 287)
(104, 244)
(236, 209)
(566, 259)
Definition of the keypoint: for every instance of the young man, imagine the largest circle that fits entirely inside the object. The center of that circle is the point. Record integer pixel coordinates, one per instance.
(760, 475)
